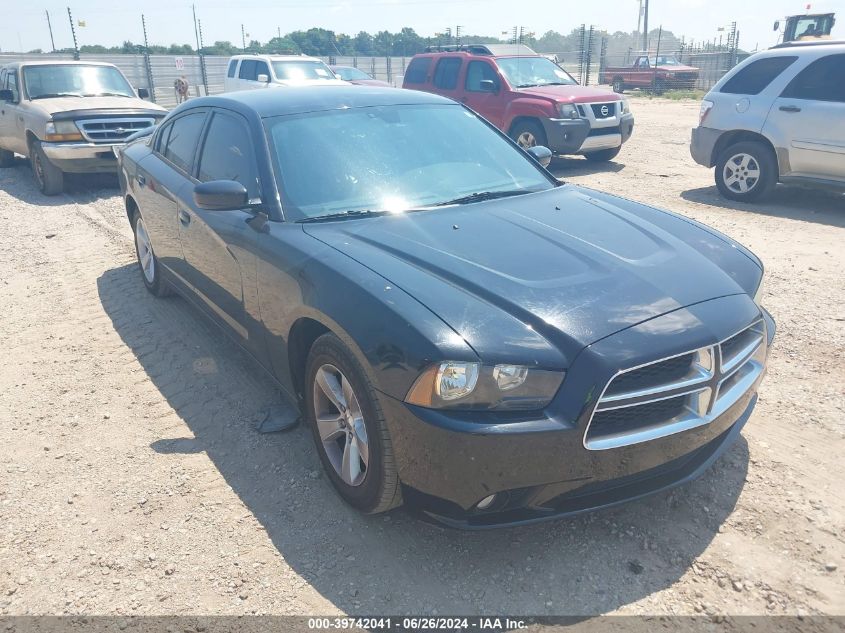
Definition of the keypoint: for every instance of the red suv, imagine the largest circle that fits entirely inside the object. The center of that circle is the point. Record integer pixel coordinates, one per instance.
(527, 96)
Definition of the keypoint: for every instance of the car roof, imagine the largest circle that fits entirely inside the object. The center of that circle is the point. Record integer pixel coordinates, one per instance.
(299, 99)
(55, 62)
(810, 44)
(485, 50)
(277, 58)
(802, 50)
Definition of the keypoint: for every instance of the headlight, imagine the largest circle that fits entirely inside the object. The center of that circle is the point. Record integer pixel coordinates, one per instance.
(567, 111)
(625, 106)
(61, 131)
(459, 385)
(758, 294)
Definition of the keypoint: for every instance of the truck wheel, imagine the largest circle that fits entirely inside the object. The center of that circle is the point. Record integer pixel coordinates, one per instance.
(50, 179)
(660, 86)
(746, 172)
(618, 85)
(7, 158)
(603, 155)
(528, 134)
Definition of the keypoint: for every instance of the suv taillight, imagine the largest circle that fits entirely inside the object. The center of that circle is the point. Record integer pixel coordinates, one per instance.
(706, 106)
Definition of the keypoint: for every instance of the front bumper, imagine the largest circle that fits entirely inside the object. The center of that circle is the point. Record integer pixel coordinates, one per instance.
(576, 136)
(82, 157)
(702, 143)
(539, 467)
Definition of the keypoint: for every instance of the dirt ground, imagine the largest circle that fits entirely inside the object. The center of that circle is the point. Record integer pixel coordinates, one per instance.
(133, 481)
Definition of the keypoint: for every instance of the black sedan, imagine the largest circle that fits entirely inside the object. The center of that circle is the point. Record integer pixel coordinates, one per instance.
(461, 331)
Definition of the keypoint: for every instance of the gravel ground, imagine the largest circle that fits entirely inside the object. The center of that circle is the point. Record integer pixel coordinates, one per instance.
(132, 480)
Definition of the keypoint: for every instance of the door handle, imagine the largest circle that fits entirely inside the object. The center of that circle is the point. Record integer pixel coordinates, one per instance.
(141, 180)
(184, 217)
(789, 108)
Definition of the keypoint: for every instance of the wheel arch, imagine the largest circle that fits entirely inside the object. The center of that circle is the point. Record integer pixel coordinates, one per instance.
(301, 337)
(524, 119)
(131, 207)
(740, 136)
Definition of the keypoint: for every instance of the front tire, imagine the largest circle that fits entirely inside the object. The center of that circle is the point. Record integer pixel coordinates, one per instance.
(348, 427)
(603, 155)
(746, 172)
(147, 261)
(49, 178)
(7, 158)
(528, 134)
(618, 85)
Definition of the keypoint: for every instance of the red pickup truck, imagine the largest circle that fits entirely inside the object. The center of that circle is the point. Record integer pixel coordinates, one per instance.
(660, 73)
(527, 96)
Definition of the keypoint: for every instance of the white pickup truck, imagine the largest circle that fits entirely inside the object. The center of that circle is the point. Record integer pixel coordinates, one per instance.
(66, 116)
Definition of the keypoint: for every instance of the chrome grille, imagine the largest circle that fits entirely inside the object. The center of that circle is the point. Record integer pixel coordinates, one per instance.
(678, 393)
(111, 130)
(604, 110)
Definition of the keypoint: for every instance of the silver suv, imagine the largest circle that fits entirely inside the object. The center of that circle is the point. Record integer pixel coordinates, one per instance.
(777, 117)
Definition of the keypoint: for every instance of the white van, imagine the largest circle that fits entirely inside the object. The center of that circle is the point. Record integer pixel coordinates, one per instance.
(249, 72)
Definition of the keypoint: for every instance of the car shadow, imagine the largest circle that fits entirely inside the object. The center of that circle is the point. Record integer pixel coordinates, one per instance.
(796, 203)
(563, 167)
(82, 188)
(395, 563)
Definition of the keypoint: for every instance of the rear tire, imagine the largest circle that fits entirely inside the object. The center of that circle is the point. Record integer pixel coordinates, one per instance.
(528, 134)
(7, 158)
(147, 261)
(746, 171)
(618, 85)
(360, 438)
(603, 155)
(49, 178)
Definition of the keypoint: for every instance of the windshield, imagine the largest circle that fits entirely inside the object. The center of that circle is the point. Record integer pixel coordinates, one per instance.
(393, 158)
(75, 80)
(300, 70)
(665, 61)
(350, 74)
(522, 72)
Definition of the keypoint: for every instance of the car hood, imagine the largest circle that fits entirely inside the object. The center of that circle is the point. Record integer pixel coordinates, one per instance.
(308, 82)
(571, 94)
(65, 104)
(569, 265)
(370, 82)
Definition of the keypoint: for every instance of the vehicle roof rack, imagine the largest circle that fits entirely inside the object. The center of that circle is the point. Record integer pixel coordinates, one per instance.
(802, 43)
(483, 49)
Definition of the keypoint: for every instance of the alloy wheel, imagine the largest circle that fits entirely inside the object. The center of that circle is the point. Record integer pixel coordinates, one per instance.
(741, 173)
(526, 140)
(340, 424)
(145, 251)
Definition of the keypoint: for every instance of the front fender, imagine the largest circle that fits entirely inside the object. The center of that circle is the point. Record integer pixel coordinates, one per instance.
(527, 107)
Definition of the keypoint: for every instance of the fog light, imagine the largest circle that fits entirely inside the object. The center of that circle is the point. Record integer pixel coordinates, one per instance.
(486, 502)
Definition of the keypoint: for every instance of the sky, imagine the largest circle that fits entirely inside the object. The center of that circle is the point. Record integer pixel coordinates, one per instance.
(24, 22)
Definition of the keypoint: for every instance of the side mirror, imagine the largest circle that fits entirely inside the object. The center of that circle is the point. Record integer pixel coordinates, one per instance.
(487, 85)
(777, 25)
(7, 95)
(542, 155)
(265, 79)
(221, 195)
(143, 93)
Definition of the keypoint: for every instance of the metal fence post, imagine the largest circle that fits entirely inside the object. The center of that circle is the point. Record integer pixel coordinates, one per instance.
(147, 65)
(656, 55)
(589, 56)
(582, 35)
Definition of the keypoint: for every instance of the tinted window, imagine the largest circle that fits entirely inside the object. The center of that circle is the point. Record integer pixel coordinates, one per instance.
(228, 154)
(233, 65)
(247, 69)
(183, 140)
(478, 72)
(754, 78)
(12, 84)
(823, 80)
(418, 70)
(161, 138)
(446, 73)
(261, 68)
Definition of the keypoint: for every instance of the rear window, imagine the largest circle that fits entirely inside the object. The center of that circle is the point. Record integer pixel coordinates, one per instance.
(754, 78)
(823, 80)
(232, 66)
(446, 73)
(418, 70)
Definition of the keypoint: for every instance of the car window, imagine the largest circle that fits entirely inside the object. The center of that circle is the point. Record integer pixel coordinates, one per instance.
(753, 78)
(418, 70)
(446, 73)
(823, 80)
(302, 70)
(233, 65)
(228, 153)
(247, 70)
(348, 73)
(478, 72)
(12, 84)
(183, 140)
(261, 68)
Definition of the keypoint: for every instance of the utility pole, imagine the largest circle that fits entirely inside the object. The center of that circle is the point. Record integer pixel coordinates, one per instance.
(458, 35)
(645, 27)
(50, 27)
(640, 17)
(73, 32)
(147, 64)
(243, 37)
(196, 28)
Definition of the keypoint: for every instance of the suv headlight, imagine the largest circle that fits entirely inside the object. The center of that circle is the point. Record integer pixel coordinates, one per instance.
(61, 131)
(461, 385)
(568, 111)
(624, 106)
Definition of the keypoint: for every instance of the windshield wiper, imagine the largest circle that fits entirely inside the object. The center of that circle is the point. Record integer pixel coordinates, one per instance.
(107, 94)
(482, 195)
(52, 95)
(342, 215)
(527, 85)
